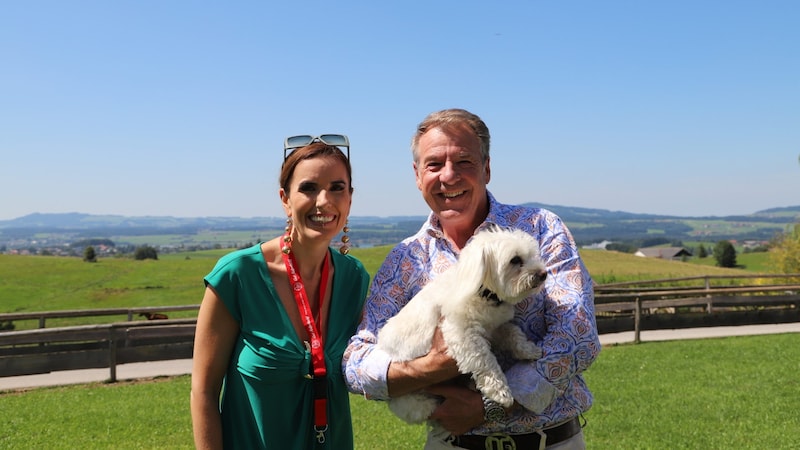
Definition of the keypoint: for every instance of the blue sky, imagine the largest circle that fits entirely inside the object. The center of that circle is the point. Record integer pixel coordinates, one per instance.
(180, 108)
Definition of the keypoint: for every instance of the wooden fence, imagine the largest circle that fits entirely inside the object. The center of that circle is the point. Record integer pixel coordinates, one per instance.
(653, 304)
(46, 350)
(701, 301)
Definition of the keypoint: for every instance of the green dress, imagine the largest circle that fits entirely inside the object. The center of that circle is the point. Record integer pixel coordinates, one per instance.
(267, 400)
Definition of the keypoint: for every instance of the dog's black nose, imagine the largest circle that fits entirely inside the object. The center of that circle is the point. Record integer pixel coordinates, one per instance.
(540, 277)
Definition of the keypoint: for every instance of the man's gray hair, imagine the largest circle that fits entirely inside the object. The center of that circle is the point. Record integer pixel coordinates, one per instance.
(452, 118)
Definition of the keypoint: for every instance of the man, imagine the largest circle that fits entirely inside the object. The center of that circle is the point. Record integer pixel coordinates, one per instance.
(451, 165)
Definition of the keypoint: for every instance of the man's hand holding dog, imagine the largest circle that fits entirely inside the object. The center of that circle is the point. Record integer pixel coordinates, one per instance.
(433, 368)
(461, 409)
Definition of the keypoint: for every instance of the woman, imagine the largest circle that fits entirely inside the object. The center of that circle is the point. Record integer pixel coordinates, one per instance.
(276, 317)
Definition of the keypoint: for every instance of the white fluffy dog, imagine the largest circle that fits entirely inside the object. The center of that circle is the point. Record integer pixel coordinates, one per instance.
(475, 300)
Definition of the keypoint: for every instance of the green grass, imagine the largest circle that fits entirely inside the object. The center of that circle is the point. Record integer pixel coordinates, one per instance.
(145, 415)
(751, 262)
(722, 393)
(614, 267)
(708, 394)
(43, 283)
(738, 392)
(53, 283)
(46, 283)
(49, 283)
(206, 237)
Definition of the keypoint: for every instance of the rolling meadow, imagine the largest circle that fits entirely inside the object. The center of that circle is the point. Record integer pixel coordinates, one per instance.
(51, 283)
(736, 392)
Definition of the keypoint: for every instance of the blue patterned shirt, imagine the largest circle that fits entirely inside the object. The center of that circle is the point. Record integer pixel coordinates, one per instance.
(560, 319)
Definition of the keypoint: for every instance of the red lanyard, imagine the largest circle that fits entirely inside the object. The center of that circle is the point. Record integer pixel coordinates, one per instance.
(317, 350)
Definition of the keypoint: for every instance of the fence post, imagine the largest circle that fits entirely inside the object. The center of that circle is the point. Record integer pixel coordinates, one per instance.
(637, 321)
(112, 354)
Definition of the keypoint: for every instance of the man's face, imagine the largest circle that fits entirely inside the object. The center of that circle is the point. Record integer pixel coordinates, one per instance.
(453, 176)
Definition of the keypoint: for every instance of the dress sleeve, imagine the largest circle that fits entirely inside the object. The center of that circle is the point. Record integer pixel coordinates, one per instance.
(225, 279)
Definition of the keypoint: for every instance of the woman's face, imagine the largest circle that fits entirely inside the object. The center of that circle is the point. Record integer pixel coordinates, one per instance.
(319, 198)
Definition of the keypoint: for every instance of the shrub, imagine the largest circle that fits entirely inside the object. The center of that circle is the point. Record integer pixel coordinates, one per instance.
(89, 255)
(145, 252)
(785, 251)
(725, 254)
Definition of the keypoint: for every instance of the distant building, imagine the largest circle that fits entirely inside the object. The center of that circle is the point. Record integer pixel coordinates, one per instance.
(673, 253)
(598, 245)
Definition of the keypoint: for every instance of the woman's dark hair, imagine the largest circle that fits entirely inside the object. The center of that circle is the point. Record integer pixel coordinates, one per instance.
(311, 151)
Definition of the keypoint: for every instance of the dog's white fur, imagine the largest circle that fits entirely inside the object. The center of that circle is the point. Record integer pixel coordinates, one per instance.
(507, 263)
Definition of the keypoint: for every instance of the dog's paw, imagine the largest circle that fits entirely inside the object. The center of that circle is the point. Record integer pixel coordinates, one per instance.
(527, 350)
(496, 389)
(512, 339)
(413, 408)
(502, 396)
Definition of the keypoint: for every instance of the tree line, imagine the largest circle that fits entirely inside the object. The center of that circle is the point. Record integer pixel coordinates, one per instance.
(140, 253)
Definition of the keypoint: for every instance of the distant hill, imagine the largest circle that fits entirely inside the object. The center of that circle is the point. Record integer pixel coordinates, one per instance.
(588, 225)
(594, 225)
(787, 214)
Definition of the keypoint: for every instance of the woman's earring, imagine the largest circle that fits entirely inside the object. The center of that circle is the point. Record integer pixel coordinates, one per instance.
(287, 237)
(344, 248)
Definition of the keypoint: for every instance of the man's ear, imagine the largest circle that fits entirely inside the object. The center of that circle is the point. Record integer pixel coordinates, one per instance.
(416, 176)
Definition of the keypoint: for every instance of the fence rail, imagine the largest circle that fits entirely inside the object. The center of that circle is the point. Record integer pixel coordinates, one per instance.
(130, 313)
(43, 350)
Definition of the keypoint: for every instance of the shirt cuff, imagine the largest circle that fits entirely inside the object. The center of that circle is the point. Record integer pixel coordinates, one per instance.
(373, 371)
(529, 388)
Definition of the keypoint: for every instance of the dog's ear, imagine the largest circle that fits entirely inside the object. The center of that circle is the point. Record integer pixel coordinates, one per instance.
(472, 265)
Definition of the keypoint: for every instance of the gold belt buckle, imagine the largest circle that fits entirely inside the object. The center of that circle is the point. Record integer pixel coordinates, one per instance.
(499, 441)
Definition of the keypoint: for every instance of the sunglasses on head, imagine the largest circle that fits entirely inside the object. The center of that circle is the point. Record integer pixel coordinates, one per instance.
(294, 142)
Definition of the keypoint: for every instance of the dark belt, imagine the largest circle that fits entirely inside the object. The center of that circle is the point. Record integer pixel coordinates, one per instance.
(530, 441)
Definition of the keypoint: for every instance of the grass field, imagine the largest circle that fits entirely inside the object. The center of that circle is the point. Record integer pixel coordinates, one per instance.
(718, 393)
(49, 283)
(712, 394)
